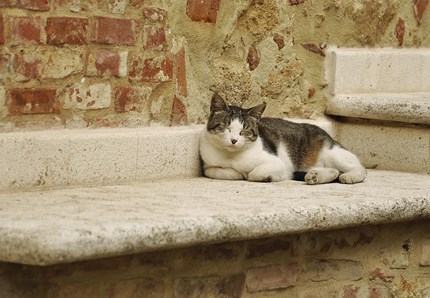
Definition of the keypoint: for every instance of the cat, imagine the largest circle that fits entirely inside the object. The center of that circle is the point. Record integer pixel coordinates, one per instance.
(240, 144)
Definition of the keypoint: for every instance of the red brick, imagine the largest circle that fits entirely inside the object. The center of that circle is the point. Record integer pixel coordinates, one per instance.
(115, 31)
(179, 113)
(72, 31)
(42, 5)
(153, 14)
(272, 277)
(102, 63)
(7, 3)
(420, 7)
(25, 30)
(152, 70)
(2, 40)
(33, 101)
(26, 67)
(131, 99)
(203, 10)
(181, 74)
(400, 31)
(154, 38)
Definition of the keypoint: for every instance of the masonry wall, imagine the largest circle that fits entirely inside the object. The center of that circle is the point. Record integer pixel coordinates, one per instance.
(369, 261)
(73, 64)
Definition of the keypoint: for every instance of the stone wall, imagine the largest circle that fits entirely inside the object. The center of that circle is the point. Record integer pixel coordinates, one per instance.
(369, 261)
(72, 63)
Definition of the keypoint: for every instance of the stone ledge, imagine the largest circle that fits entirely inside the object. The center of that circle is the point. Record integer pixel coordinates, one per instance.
(409, 108)
(59, 158)
(67, 225)
(376, 70)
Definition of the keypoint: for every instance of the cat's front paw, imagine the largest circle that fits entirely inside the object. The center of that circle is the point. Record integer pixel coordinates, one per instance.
(321, 175)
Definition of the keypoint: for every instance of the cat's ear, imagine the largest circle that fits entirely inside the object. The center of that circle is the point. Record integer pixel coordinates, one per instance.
(218, 104)
(257, 111)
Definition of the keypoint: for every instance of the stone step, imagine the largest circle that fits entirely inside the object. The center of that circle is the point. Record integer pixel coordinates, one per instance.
(383, 99)
(46, 227)
(60, 158)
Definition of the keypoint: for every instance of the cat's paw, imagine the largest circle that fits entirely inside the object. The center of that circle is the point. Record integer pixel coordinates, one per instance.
(259, 178)
(260, 175)
(354, 176)
(321, 175)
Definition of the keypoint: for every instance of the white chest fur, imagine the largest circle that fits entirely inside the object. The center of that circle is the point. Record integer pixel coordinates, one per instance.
(244, 160)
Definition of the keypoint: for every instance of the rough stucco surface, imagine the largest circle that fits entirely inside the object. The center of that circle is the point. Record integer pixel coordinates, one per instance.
(164, 67)
(86, 223)
(289, 77)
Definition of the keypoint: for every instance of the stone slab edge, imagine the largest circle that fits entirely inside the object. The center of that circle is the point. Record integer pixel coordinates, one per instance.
(61, 158)
(99, 222)
(407, 108)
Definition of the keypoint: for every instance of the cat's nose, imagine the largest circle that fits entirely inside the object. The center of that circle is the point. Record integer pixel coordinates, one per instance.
(233, 141)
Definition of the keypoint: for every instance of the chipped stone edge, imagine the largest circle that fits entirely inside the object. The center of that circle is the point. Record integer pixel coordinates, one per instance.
(407, 108)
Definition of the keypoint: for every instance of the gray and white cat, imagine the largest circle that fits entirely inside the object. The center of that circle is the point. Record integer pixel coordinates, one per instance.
(239, 144)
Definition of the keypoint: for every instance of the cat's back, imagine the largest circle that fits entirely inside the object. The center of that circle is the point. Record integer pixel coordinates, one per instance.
(275, 130)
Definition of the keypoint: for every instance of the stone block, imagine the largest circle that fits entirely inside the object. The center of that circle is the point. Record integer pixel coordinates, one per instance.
(272, 277)
(47, 155)
(321, 270)
(388, 147)
(385, 70)
(102, 159)
(83, 97)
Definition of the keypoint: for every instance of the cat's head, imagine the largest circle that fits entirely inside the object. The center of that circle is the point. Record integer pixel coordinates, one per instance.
(232, 127)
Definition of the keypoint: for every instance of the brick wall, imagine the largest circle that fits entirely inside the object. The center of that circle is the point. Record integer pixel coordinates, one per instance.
(73, 63)
(365, 262)
(68, 63)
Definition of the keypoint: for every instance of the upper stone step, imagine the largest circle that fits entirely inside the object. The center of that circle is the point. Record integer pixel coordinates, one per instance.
(382, 84)
(385, 70)
(59, 158)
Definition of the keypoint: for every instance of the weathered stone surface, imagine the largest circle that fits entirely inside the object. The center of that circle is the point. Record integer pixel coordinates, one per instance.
(272, 277)
(175, 213)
